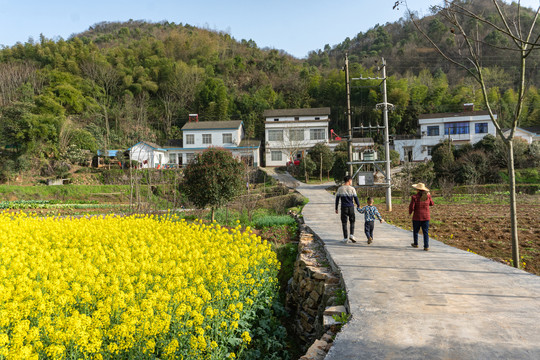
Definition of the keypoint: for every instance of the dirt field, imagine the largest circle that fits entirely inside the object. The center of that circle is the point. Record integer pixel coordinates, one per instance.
(481, 228)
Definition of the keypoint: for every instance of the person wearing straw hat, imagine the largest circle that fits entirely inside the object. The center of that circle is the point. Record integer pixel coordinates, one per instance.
(419, 207)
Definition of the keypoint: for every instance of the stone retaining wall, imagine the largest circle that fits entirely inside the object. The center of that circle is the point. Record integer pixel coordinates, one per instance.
(311, 296)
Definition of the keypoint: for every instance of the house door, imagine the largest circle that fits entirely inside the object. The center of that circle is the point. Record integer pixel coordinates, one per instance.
(408, 153)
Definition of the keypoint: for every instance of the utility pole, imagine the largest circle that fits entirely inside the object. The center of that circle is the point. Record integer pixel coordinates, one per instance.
(386, 141)
(385, 107)
(349, 125)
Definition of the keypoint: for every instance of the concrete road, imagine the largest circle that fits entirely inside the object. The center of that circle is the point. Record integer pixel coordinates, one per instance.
(411, 304)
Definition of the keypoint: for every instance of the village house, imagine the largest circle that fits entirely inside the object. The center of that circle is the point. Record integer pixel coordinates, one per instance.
(198, 136)
(466, 127)
(290, 132)
(529, 134)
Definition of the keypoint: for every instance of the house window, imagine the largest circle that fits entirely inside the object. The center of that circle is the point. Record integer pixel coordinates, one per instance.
(456, 128)
(433, 131)
(275, 135)
(172, 158)
(481, 128)
(296, 118)
(207, 138)
(317, 134)
(189, 157)
(430, 150)
(227, 138)
(296, 134)
(276, 119)
(317, 118)
(190, 139)
(276, 155)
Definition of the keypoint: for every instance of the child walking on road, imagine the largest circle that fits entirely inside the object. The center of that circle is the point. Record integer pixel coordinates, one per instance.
(370, 213)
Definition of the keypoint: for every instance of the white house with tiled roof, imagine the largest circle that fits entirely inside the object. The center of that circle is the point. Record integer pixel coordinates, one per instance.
(290, 132)
(467, 127)
(197, 137)
(529, 134)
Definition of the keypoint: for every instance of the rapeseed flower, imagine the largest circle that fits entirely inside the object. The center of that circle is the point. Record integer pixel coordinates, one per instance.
(126, 287)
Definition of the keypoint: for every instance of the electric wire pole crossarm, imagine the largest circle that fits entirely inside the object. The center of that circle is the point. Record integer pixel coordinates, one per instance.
(385, 106)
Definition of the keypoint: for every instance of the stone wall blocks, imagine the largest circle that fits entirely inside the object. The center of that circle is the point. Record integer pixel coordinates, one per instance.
(312, 293)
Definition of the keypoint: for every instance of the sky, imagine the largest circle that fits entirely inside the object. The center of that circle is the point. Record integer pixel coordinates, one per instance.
(295, 26)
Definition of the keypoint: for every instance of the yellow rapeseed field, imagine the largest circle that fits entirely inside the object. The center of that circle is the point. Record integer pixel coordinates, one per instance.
(138, 287)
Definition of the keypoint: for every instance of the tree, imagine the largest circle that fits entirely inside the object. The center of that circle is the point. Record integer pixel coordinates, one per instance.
(323, 158)
(443, 160)
(213, 179)
(340, 167)
(307, 166)
(106, 81)
(518, 36)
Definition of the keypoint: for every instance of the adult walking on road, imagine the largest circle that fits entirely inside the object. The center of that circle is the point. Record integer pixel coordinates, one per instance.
(347, 195)
(419, 207)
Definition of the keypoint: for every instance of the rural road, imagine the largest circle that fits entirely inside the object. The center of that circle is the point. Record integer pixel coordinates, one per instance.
(410, 304)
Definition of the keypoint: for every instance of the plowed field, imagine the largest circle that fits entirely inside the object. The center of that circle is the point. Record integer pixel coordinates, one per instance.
(481, 228)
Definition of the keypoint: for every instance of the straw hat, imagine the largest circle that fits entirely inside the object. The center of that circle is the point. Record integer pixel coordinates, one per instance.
(420, 186)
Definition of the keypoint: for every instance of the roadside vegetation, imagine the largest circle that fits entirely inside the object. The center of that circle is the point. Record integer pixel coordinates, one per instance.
(262, 210)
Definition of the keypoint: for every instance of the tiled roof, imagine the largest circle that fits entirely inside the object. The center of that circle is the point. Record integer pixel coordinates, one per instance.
(297, 112)
(151, 144)
(448, 115)
(249, 143)
(533, 129)
(212, 125)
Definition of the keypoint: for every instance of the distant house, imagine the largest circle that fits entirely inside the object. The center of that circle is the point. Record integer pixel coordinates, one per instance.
(149, 155)
(467, 127)
(529, 134)
(290, 132)
(198, 136)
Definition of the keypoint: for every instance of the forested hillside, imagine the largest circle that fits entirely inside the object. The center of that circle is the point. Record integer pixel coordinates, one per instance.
(119, 83)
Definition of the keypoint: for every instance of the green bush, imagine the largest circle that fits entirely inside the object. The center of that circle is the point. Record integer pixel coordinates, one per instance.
(523, 176)
(273, 220)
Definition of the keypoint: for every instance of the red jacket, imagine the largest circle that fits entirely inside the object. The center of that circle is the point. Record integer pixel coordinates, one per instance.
(420, 208)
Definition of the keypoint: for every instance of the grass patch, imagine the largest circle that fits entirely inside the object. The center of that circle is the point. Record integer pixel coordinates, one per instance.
(65, 192)
(286, 255)
(273, 220)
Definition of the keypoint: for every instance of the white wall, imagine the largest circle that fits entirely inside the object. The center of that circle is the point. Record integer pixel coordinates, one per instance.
(401, 147)
(471, 137)
(142, 152)
(420, 146)
(268, 158)
(287, 145)
(524, 135)
(217, 137)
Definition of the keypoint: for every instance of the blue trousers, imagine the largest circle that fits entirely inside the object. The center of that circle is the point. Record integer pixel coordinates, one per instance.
(368, 228)
(425, 230)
